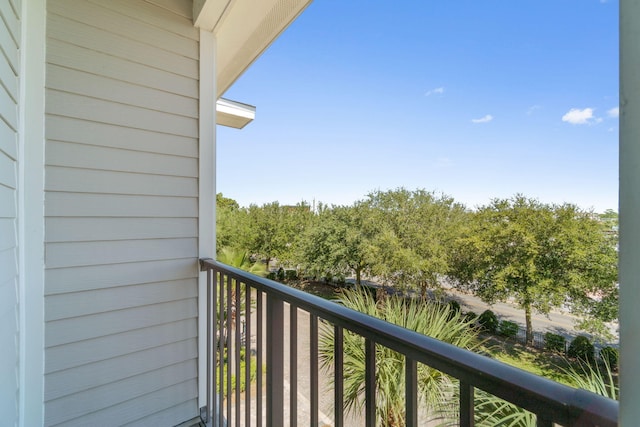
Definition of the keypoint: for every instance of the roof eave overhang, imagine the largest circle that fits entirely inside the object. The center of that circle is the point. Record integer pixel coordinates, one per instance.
(243, 29)
(234, 114)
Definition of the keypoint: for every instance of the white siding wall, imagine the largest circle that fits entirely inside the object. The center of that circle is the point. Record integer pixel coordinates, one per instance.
(9, 314)
(120, 213)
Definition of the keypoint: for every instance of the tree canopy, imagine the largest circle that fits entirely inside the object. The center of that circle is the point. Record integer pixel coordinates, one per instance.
(540, 256)
(537, 255)
(416, 230)
(340, 243)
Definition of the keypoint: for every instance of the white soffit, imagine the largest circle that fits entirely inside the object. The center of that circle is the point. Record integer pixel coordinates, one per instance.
(244, 29)
(234, 114)
(207, 13)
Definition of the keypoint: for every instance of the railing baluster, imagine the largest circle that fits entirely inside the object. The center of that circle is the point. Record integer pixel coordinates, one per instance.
(221, 341)
(338, 374)
(210, 327)
(293, 365)
(543, 421)
(275, 366)
(411, 392)
(247, 355)
(229, 339)
(552, 403)
(313, 357)
(211, 335)
(370, 382)
(259, 349)
(237, 346)
(466, 405)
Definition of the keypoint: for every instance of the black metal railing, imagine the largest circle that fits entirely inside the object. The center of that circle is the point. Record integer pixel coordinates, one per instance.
(237, 300)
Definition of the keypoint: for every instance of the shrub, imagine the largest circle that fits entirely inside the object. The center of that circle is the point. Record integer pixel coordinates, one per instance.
(555, 342)
(610, 356)
(253, 371)
(290, 275)
(470, 316)
(271, 275)
(488, 321)
(280, 275)
(581, 348)
(508, 329)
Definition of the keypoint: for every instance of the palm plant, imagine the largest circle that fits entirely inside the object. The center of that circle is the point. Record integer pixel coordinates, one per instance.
(426, 317)
(599, 380)
(240, 258)
(493, 411)
(237, 258)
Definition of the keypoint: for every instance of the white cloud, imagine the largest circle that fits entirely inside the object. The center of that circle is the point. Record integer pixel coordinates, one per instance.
(485, 119)
(533, 109)
(576, 116)
(435, 91)
(614, 112)
(443, 163)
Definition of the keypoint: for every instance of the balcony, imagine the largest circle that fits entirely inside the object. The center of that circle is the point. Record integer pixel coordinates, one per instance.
(242, 306)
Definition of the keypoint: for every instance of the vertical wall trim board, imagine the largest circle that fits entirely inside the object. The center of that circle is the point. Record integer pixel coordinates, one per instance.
(207, 191)
(629, 159)
(31, 212)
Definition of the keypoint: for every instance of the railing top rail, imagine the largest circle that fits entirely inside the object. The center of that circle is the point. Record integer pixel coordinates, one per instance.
(563, 404)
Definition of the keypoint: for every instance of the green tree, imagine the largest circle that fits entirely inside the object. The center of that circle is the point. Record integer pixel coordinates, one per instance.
(428, 318)
(266, 236)
(417, 229)
(273, 229)
(231, 223)
(541, 256)
(339, 243)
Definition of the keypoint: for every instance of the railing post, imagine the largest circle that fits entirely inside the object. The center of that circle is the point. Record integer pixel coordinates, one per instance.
(221, 337)
(210, 356)
(467, 417)
(411, 392)
(339, 376)
(370, 382)
(542, 421)
(275, 362)
(293, 365)
(216, 407)
(313, 358)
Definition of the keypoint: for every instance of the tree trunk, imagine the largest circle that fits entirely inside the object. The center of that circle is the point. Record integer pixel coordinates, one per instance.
(358, 276)
(380, 296)
(529, 325)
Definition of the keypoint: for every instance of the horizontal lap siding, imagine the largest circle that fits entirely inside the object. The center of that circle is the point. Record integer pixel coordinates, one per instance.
(9, 309)
(121, 209)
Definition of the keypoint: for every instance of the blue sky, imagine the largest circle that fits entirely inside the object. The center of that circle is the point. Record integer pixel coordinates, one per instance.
(476, 99)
